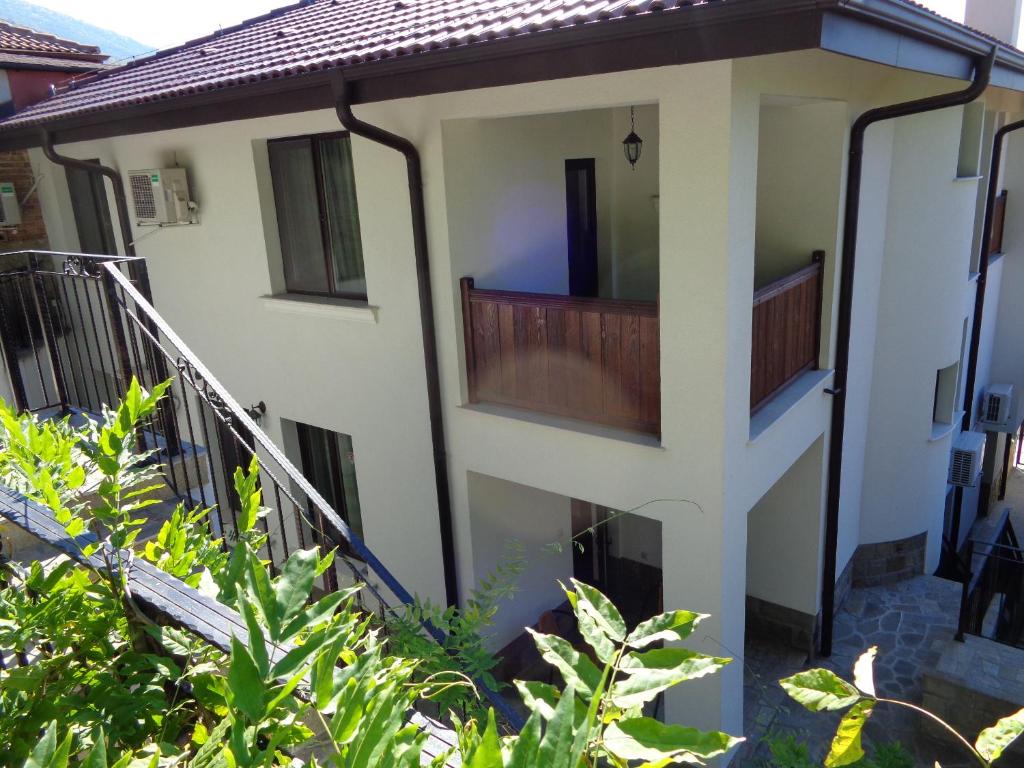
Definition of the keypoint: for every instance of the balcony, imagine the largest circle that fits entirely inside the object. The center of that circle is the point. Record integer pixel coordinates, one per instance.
(786, 331)
(584, 358)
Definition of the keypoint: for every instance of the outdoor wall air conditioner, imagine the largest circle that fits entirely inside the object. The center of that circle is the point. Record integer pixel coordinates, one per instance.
(160, 197)
(10, 211)
(966, 458)
(996, 405)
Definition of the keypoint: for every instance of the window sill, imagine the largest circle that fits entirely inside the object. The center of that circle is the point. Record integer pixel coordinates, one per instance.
(321, 306)
(942, 430)
(968, 178)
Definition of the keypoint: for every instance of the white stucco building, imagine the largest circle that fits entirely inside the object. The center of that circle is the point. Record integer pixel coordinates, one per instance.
(659, 340)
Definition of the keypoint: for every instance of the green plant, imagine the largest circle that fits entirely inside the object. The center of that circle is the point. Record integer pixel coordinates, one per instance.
(820, 690)
(889, 755)
(788, 752)
(465, 650)
(598, 715)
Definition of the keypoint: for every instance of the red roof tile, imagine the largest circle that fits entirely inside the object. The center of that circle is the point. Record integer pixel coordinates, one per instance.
(22, 40)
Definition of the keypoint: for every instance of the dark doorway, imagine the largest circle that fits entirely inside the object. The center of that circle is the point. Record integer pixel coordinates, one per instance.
(581, 226)
(590, 535)
(92, 212)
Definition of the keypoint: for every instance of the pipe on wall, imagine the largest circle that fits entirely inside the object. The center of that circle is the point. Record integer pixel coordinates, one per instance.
(847, 269)
(979, 314)
(343, 106)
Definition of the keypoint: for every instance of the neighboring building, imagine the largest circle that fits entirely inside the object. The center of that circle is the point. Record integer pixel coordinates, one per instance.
(32, 65)
(656, 338)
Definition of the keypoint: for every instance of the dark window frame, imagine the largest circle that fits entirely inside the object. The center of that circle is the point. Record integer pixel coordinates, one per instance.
(98, 208)
(302, 432)
(325, 232)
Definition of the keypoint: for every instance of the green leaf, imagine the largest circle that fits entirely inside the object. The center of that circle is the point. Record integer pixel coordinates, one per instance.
(576, 668)
(601, 609)
(555, 748)
(604, 648)
(488, 752)
(863, 671)
(259, 585)
(819, 690)
(245, 687)
(524, 751)
(257, 641)
(292, 588)
(42, 755)
(652, 672)
(644, 738)
(846, 746)
(674, 625)
(993, 741)
(97, 757)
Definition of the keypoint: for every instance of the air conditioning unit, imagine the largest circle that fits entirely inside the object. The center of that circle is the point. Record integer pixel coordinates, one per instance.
(966, 458)
(160, 197)
(10, 211)
(996, 405)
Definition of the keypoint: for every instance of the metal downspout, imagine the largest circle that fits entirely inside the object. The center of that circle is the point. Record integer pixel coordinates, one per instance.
(847, 268)
(378, 135)
(979, 312)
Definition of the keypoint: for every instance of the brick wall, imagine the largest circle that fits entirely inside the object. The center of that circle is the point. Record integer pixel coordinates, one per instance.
(31, 233)
(889, 561)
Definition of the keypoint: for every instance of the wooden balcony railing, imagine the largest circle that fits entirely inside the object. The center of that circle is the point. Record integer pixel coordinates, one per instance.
(995, 241)
(786, 332)
(593, 359)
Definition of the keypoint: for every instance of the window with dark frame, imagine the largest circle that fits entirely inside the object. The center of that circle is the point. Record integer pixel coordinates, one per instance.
(328, 461)
(91, 211)
(318, 215)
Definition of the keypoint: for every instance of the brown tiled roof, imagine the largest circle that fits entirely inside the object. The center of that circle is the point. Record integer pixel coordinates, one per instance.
(22, 40)
(324, 34)
(316, 35)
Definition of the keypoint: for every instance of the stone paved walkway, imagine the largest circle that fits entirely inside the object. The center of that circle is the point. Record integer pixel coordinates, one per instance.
(908, 622)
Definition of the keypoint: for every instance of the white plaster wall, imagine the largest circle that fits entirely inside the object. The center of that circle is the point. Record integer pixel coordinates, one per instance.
(784, 537)
(364, 379)
(927, 251)
(504, 513)
(800, 162)
(506, 193)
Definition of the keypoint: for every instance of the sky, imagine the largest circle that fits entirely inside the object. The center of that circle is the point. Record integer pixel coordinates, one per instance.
(165, 24)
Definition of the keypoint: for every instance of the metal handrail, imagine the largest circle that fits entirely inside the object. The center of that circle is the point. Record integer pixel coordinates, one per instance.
(137, 312)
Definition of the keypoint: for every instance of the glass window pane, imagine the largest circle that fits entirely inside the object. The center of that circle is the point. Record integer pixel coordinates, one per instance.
(342, 216)
(317, 462)
(298, 215)
(91, 211)
(347, 459)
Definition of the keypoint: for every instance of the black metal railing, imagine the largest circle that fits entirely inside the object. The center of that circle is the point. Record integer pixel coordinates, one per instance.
(992, 600)
(87, 329)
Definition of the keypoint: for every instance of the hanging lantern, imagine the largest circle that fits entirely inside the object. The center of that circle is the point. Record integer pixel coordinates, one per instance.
(632, 145)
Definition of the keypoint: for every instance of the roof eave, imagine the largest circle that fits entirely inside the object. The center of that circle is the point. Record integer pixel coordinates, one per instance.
(881, 31)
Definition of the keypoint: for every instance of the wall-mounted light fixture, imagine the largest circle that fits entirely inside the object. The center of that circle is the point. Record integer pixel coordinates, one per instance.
(632, 145)
(256, 411)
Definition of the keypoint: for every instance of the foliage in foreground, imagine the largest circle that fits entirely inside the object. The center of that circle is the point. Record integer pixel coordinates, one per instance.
(108, 687)
(821, 690)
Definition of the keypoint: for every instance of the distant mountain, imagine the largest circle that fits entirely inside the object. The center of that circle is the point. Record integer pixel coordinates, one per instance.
(60, 24)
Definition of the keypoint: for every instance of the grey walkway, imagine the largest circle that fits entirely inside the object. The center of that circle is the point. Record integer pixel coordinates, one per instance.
(909, 622)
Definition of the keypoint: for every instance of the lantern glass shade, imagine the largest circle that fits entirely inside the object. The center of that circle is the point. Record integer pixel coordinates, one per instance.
(632, 145)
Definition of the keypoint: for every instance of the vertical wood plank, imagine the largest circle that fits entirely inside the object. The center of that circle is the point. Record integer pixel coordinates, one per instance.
(507, 340)
(591, 399)
(629, 378)
(650, 373)
(465, 289)
(558, 394)
(612, 368)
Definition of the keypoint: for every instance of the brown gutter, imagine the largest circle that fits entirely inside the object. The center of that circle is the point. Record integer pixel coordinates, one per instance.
(844, 321)
(427, 324)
